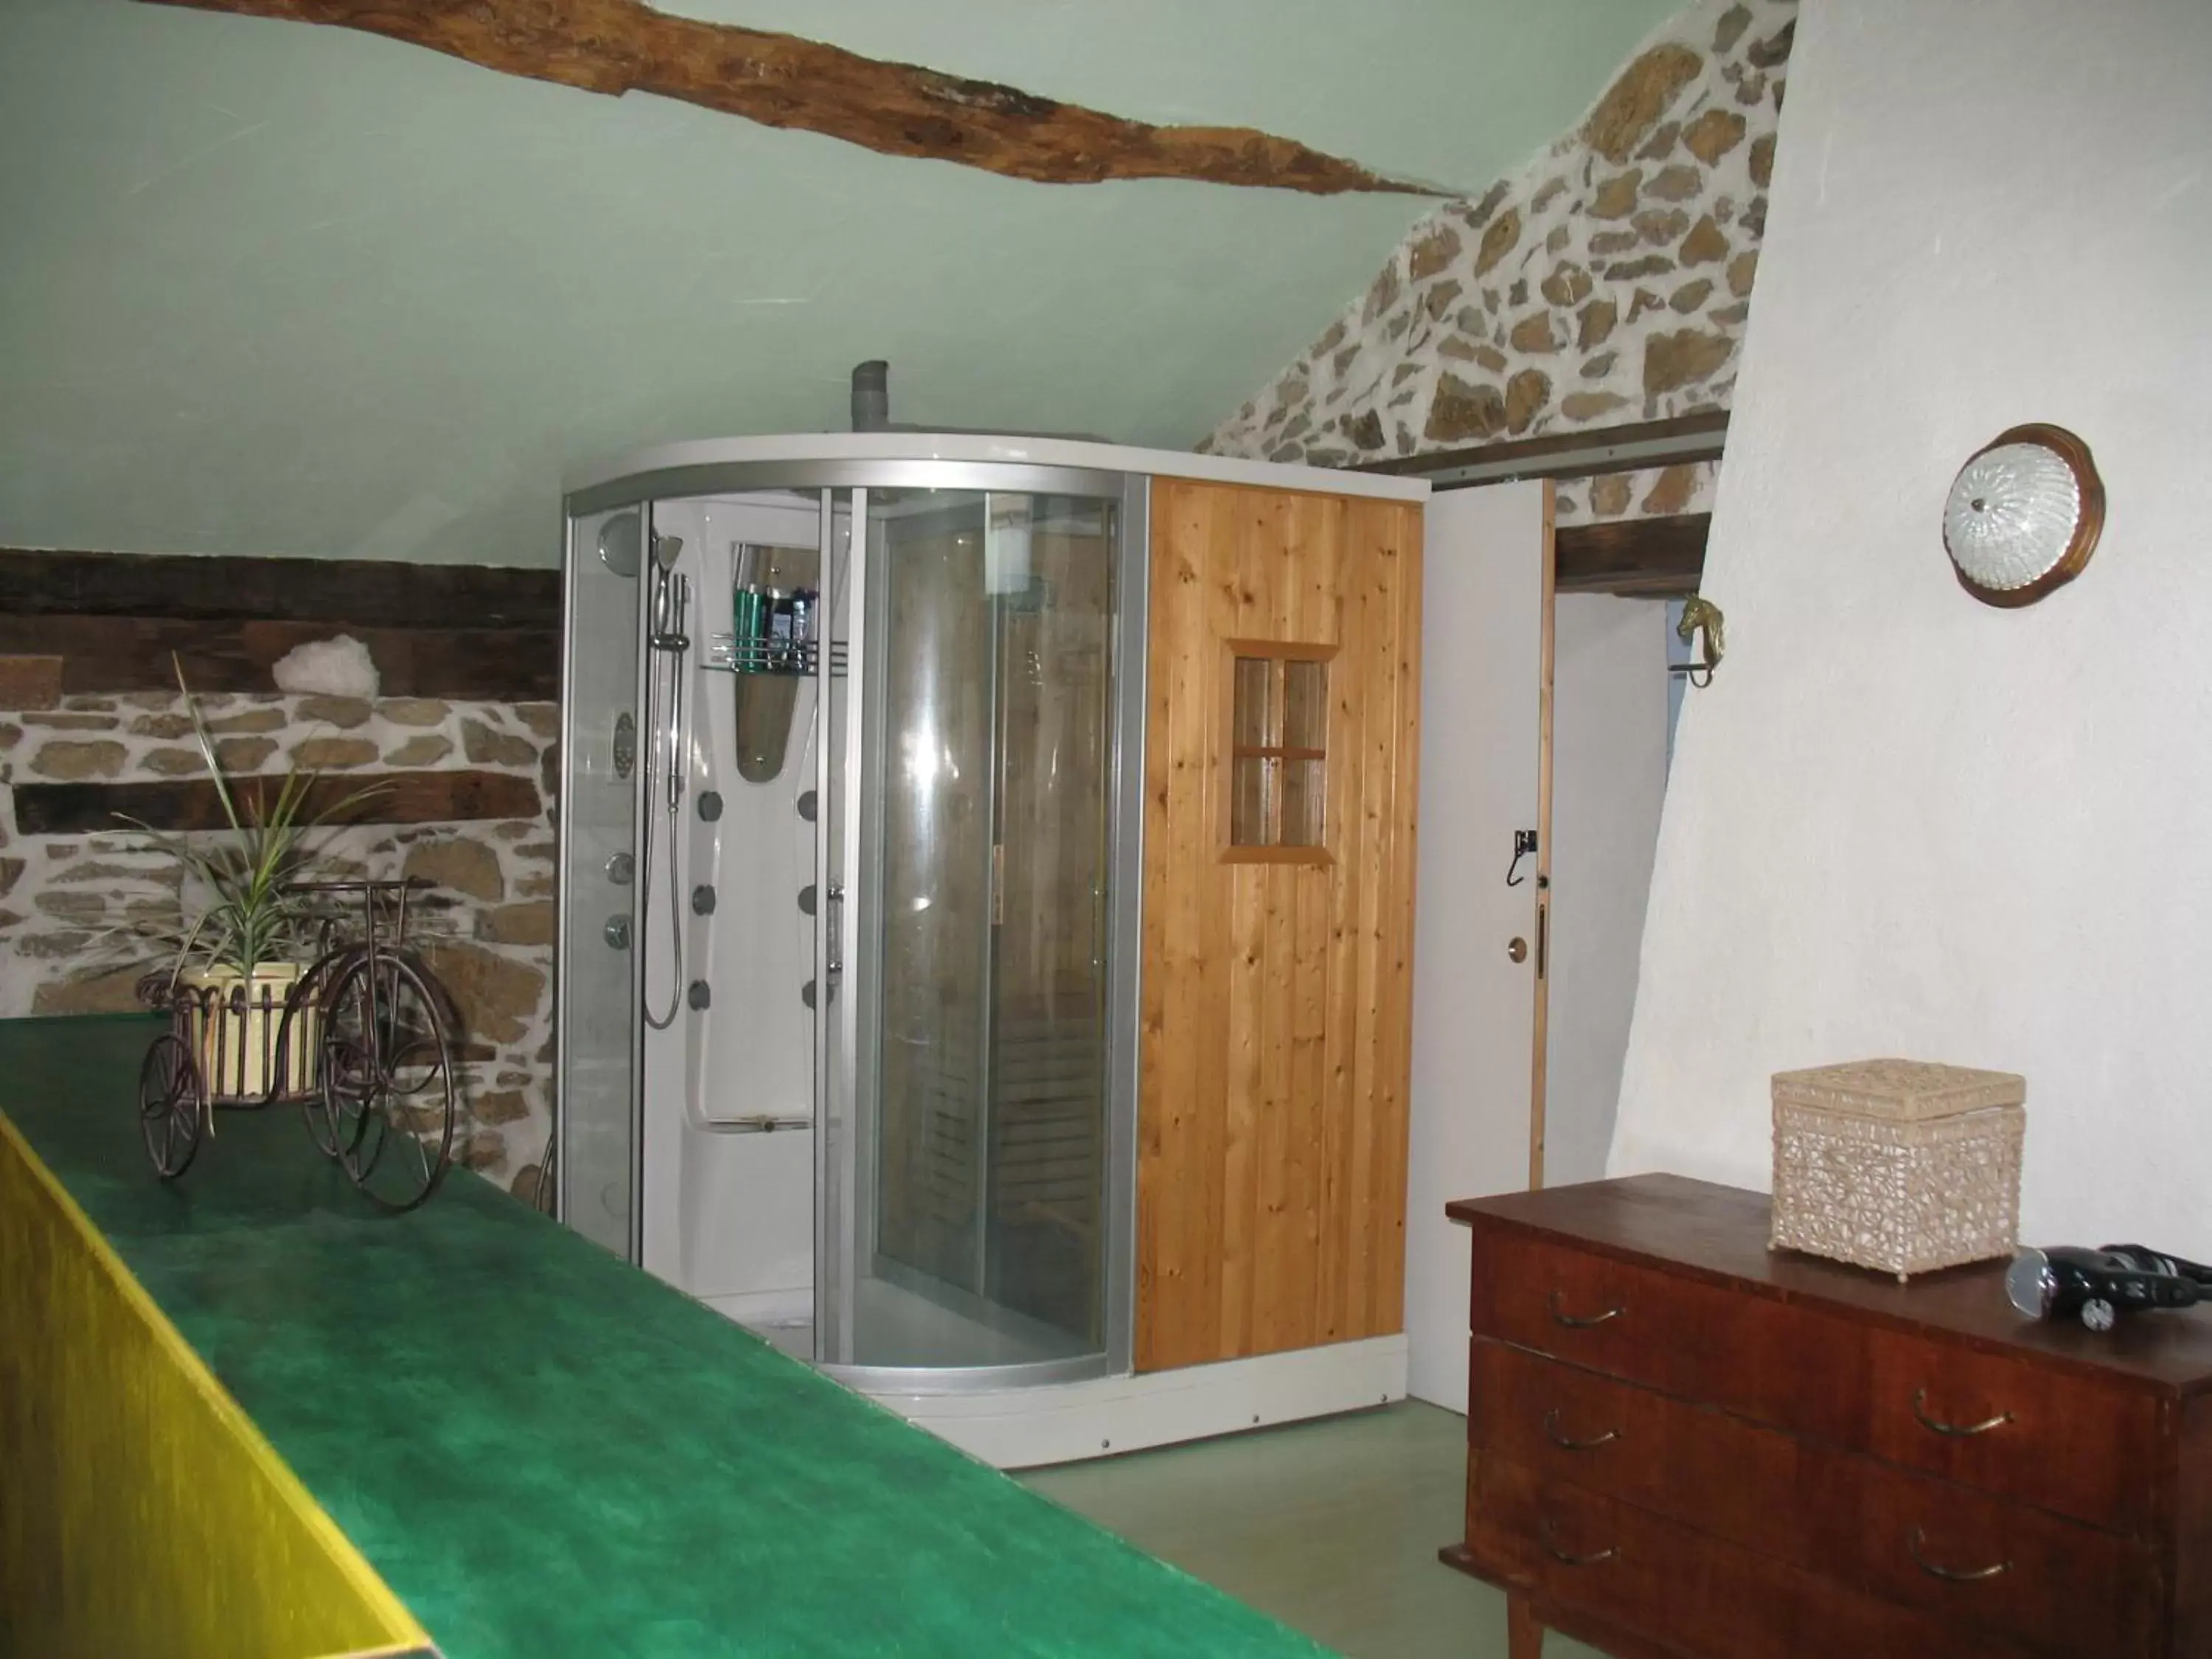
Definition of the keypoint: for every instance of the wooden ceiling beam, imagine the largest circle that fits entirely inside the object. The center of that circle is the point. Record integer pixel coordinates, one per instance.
(227, 588)
(615, 47)
(1581, 452)
(1660, 558)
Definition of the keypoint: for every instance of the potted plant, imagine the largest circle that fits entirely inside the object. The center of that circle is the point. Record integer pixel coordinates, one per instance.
(243, 934)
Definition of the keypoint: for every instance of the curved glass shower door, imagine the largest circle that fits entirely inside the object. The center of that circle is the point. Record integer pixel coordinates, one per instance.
(967, 1164)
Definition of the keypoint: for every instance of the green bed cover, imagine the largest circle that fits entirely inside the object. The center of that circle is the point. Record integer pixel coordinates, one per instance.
(548, 1453)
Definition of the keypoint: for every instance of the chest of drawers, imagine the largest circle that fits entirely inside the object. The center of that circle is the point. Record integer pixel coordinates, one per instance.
(1680, 1446)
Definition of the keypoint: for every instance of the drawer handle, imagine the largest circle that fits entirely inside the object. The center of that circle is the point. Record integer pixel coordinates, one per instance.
(1564, 1443)
(1958, 1430)
(1581, 1322)
(1550, 1540)
(1915, 1537)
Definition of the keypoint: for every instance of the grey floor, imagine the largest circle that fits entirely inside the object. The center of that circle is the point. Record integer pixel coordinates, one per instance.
(1331, 1526)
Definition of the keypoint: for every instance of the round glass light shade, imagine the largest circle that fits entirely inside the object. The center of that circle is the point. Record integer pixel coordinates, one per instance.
(2012, 516)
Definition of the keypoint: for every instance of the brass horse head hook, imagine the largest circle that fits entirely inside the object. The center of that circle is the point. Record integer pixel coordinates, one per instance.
(1700, 615)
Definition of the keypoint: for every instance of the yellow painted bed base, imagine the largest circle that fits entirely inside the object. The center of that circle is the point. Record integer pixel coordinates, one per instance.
(141, 1513)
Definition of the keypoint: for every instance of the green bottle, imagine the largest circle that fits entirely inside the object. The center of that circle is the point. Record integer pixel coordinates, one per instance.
(749, 631)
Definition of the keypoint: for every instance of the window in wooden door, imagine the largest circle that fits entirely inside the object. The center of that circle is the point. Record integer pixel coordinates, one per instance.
(1278, 750)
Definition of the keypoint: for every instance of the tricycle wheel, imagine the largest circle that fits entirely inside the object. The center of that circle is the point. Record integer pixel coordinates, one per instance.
(387, 1080)
(316, 997)
(172, 1105)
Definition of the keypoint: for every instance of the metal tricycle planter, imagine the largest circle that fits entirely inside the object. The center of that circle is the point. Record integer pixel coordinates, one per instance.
(357, 1039)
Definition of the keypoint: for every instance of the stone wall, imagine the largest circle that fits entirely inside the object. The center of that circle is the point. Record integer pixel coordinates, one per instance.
(68, 902)
(1608, 283)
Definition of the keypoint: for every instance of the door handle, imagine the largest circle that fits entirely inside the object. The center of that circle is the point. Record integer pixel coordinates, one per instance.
(1581, 1322)
(1916, 1541)
(1957, 1430)
(1517, 950)
(1550, 1534)
(1567, 1443)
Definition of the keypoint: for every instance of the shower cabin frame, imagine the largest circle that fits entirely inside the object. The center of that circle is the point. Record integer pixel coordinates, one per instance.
(845, 1045)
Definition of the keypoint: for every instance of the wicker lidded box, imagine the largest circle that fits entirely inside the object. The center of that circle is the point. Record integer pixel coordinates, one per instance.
(1897, 1165)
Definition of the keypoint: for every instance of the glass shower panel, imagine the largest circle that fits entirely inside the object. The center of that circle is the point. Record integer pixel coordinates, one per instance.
(602, 750)
(933, 744)
(1043, 1228)
(987, 768)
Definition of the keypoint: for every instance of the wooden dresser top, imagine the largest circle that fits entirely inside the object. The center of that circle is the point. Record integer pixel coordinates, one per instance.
(1719, 1234)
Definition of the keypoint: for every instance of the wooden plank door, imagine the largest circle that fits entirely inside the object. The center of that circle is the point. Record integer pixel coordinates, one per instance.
(1284, 663)
(1485, 673)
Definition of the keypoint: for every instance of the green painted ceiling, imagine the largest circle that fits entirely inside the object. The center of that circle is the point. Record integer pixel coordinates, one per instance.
(272, 288)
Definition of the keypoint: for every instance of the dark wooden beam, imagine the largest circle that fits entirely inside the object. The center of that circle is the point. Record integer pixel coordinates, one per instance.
(182, 804)
(113, 619)
(1581, 453)
(616, 47)
(1637, 558)
(132, 654)
(372, 593)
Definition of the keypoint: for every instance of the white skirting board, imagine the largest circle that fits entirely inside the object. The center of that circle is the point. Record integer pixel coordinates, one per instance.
(1066, 1422)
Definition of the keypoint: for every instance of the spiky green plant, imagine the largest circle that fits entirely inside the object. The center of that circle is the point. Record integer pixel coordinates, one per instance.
(250, 912)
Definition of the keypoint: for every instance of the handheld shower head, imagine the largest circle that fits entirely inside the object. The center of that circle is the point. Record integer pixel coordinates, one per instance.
(671, 596)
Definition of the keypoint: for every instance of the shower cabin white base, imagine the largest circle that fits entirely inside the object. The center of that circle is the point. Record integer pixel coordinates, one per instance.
(1027, 1427)
(1066, 1422)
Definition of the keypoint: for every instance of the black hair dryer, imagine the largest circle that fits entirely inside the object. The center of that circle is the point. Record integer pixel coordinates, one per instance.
(2096, 1286)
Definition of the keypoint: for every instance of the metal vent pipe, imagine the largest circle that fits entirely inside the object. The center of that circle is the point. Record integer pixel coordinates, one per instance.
(871, 396)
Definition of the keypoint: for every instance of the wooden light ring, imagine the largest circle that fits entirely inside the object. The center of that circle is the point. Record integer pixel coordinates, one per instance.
(2088, 522)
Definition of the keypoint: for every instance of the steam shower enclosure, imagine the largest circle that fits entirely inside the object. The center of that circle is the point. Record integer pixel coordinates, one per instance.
(986, 920)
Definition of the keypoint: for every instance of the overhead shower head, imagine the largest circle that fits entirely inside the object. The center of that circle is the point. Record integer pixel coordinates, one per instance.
(618, 544)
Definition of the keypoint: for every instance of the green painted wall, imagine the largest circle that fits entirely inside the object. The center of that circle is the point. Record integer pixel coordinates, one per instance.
(272, 288)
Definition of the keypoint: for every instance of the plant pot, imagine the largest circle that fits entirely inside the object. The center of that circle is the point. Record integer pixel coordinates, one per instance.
(236, 1047)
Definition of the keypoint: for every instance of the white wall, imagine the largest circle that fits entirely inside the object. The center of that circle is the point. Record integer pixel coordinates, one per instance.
(1608, 777)
(1901, 821)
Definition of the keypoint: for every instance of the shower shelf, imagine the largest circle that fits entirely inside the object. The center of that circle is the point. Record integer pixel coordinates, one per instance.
(726, 656)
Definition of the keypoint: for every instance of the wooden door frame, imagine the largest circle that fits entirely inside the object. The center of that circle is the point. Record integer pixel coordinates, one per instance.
(1539, 1036)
